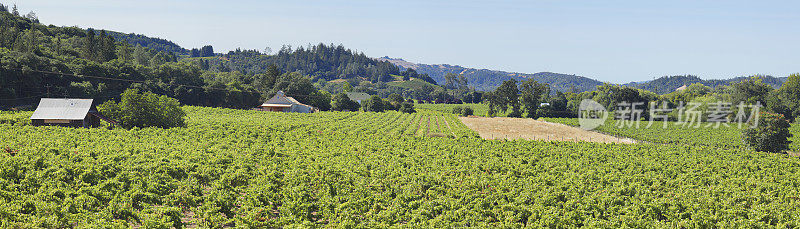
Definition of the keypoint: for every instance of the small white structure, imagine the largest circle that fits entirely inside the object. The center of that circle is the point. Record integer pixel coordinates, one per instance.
(544, 104)
(281, 103)
(67, 112)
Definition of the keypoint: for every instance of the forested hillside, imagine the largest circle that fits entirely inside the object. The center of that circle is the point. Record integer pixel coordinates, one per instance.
(326, 62)
(155, 44)
(484, 79)
(48, 61)
(667, 84)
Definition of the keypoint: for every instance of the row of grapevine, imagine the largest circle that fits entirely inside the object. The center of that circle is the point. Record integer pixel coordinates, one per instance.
(234, 168)
(706, 134)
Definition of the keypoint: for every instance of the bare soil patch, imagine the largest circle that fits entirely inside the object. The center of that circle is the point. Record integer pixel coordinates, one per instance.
(521, 128)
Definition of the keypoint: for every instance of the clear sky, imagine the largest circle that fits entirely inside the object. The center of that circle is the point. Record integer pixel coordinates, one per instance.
(612, 40)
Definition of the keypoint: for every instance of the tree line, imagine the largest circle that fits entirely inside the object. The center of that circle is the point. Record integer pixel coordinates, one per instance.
(533, 99)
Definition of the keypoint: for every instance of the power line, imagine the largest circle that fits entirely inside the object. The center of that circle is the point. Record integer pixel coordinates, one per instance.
(23, 98)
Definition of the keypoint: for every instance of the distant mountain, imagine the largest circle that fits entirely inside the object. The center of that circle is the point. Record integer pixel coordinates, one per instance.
(667, 84)
(485, 79)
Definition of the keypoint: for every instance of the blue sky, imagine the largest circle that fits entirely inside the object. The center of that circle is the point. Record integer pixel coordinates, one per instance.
(613, 41)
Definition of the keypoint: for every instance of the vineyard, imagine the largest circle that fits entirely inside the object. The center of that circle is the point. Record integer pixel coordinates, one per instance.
(674, 133)
(480, 109)
(234, 168)
(704, 134)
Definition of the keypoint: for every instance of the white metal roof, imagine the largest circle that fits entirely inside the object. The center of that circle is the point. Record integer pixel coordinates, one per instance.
(66, 109)
(281, 100)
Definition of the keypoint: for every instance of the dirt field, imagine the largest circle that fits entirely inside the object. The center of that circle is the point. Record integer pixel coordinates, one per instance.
(521, 128)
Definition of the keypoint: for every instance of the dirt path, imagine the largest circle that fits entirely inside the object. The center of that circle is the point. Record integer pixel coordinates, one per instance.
(521, 128)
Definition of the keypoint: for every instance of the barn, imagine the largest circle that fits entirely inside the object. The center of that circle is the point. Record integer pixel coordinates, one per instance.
(67, 112)
(282, 103)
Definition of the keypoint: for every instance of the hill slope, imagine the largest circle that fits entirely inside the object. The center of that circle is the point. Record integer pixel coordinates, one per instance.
(155, 44)
(327, 62)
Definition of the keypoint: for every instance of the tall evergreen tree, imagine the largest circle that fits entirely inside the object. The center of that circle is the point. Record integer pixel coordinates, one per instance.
(107, 47)
(207, 51)
(89, 50)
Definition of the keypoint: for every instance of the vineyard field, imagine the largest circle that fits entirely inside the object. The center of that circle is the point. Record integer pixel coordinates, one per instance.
(676, 133)
(722, 137)
(479, 109)
(236, 168)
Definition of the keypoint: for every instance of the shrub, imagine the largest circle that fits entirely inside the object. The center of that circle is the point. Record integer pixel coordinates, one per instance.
(374, 104)
(457, 110)
(144, 110)
(407, 108)
(15, 118)
(467, 111)
(771, 133)
(343, 103)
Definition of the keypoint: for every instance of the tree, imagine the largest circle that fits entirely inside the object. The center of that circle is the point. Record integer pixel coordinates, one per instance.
(300, 87)
(395, 101)
(341, 102)
(407, 107)
(789, 96)
(142, 55)
(750, 91)
(463, 83)
(144, 110)
(559, 102)
(450, 81)
(532, 93)
(125, 52)
(107, 47)
(89, 50)
(194, 52)
(467, 111)
(207, 51)
(697, 89)
(457, 110)
(771, 133)
(32, 16)
(507, 94)
(374, 104)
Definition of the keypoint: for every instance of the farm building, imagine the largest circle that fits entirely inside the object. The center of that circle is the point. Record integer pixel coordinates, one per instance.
(282, 103)
(67, 112)
(357, 96)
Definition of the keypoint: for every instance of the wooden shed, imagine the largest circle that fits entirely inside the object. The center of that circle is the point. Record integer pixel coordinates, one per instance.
(67, 112)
